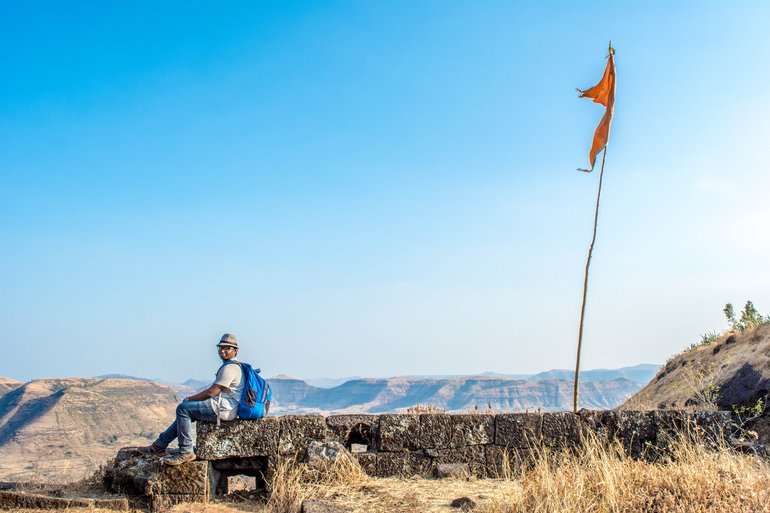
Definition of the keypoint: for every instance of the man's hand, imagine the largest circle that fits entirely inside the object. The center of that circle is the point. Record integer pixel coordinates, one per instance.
(211, 391)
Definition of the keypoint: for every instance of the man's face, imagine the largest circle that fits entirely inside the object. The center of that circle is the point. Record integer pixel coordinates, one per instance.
(227, 352)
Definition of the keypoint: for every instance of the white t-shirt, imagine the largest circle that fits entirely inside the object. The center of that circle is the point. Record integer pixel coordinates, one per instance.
(229, 376)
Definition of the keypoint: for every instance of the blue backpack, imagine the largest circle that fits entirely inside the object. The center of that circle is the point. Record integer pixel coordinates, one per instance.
(255, 401)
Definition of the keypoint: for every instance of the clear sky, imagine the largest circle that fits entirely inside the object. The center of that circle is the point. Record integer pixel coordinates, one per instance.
(374, 188)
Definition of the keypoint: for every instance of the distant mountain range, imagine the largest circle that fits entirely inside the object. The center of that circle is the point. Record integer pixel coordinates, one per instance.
(62, 428)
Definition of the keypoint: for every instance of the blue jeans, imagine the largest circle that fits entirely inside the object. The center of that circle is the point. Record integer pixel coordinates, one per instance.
(186, 413)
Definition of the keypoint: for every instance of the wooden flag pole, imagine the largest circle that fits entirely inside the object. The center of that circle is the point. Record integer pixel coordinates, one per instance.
(585, 288)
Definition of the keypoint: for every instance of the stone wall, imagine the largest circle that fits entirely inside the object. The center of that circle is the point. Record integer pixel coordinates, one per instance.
(404, 445)
(398, 445)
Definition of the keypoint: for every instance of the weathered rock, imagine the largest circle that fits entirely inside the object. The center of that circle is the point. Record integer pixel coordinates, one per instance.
(473, 456)
(602, 423)
(402, 464)
(472, 429)
(464, 503)
(519, 430)
(148, 477)
(358, 448)
(399, 433)
(297, 431)
(237, 438)
(368, 462)
(451, 470)
(239, 483)
(10, 499)
(501, 461)
(435, 431)
(324, 451)
(354, 429)
(561, 430)
(637, 431)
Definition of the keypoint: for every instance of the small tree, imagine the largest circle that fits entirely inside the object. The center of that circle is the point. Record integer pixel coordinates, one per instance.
(730, 314)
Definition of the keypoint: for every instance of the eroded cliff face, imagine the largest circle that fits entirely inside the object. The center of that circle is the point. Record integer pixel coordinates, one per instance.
(451, 394)
(733, 371)
(62, 429)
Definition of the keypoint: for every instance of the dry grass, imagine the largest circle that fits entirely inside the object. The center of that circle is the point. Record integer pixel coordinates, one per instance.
(600, 478)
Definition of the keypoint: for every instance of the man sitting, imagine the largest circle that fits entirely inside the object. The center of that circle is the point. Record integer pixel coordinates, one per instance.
(217, 402)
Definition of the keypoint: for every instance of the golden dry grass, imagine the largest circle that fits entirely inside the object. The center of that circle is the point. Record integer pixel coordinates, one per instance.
(600, 478)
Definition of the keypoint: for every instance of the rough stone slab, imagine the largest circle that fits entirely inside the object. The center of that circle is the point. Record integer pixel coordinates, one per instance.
(473, 456)
(472, 429)
(519, 430)
(237, 438)
(149, 477)
(602, 423)
(350, 429)
(297, 431)
(561, 430)
(451, 471)
(116, 504)
(637, 430)
(399, 432)
(14, 499)
(368, 462)
(402, 464)
(435, 431)
(501, 460)
(239, 483)
(714, 425)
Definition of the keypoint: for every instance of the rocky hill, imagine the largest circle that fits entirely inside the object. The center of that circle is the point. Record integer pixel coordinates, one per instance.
(733, 370)
(61, 429)
(8, 384)
(453, 394)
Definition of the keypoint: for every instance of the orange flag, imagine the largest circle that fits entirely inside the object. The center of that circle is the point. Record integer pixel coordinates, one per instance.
(604, 93)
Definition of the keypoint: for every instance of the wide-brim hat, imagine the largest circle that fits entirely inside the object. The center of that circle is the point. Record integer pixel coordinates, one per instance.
(228, 340)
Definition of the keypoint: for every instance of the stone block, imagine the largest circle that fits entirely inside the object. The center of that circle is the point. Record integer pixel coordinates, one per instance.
(602, 423)
(399, 433)
(297, 431)
(561, 430)
(637, 430)
(518, 430)
(368, 462)
(354, 429)
(472, 429)
(451, 470)
(501, 461)
(435, 431)
(713, 425)
(473, 456)
(402, 464)
(10, 499)
(239, 483)
(237, 438)
(149, 477)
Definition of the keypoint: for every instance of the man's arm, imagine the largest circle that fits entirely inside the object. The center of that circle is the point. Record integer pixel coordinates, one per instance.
(205, 394)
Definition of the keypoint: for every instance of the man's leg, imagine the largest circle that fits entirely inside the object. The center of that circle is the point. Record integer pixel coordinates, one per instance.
(186, 413)
(161, 443)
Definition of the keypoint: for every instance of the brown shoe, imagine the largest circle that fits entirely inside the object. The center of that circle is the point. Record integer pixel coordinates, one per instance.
(178, 458)
(151, 450)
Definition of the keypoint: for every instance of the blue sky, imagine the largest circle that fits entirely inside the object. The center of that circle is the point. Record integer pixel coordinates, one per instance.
(374, 188)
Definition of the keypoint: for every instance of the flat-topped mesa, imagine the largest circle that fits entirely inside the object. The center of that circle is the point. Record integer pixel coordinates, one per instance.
(395, 445)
